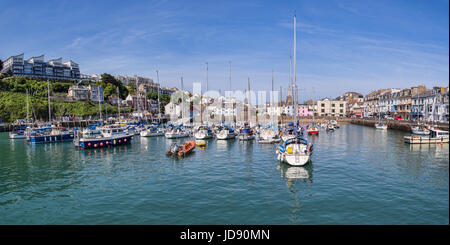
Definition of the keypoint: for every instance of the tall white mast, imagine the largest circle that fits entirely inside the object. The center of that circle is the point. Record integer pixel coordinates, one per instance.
(137, 99)
(182, 100)
(294, 86)
(27, 108)
(206, 76)
(118, 101)
(48, 92)
(159, 103)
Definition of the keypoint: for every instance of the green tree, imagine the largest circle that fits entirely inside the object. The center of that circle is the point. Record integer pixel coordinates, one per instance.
(1, 64)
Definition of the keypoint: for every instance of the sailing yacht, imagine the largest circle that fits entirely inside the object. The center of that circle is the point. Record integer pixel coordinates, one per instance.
(203, 132)
(295, 151)
(226, 133)
(269, 134)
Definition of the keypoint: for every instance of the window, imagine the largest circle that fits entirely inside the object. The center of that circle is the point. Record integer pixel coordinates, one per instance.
(342, 111)
(332, 105)
(341, 105)
(332, 110)
(323, 110)
(323, 105)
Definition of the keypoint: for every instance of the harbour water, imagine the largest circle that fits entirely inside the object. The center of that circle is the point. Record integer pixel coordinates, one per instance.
(358, 175)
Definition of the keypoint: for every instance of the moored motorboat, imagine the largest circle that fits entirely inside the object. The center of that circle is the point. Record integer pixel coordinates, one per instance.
(102, 137)
(49, 135)
(313, 130)
(174, 133)
(330, 127)
(246, 133)
(420, 130)
(18, 134)
(203, 132)
(436, 137)
(225, 133)
(152, 132)
(381, 126)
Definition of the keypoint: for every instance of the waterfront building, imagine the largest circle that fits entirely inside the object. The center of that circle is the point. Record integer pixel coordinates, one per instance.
(404, 104)
(37, 67)
(333, 108)
(126, 80)
(304, 111)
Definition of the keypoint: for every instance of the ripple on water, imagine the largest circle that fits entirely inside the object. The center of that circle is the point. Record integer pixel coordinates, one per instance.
(358, 176)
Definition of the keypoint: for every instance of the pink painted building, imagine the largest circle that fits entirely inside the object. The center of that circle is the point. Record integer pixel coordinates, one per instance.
(304, 111)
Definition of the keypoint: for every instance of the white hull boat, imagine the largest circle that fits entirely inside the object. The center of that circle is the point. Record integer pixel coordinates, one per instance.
(149, 133)
(176, 135)
(225, 135)
(246, 137)
(381, 126)
(13, 135)
(201, 135)
(295, 152)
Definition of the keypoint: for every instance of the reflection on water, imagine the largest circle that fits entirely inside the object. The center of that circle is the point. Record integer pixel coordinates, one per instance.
(230, 181)
(293, 174)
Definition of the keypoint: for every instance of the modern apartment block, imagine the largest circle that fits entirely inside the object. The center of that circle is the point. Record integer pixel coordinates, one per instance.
(37, 67)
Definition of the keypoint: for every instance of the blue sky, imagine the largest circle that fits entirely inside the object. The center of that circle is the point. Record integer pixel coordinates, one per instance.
(341, 45)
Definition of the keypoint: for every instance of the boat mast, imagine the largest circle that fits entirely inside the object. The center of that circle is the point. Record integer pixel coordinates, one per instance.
(313, 105)
(118, 101)
(48, 95)
(271, 98)
(27, 108)
(159, 103)
(137, 100)
(249, 102)
(182, 100)
(294, 86)
(99, 105)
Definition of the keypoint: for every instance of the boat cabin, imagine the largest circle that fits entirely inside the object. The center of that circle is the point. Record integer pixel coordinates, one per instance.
(439, 134)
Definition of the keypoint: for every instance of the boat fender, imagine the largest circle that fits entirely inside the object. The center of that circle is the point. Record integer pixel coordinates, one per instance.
(95, 145)
(89, 144)
(125, 140)
(120, 141)
(101, 143)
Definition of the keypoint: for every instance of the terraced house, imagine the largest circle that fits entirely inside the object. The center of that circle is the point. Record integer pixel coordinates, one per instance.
(37, 67)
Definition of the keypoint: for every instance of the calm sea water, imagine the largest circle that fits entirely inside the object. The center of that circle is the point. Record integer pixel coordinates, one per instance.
(358, 176)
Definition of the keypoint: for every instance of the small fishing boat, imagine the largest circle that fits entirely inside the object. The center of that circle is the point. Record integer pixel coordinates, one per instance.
(330, 127)
(381, 126)
(246, 133)
(295, 151)
(181, 150)
(313, 130)
(49, 135)
(420, 130)
(174, 133)
(102, 137)
(225, 133)
(18, 133)
(203, 132)
(152, 131)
